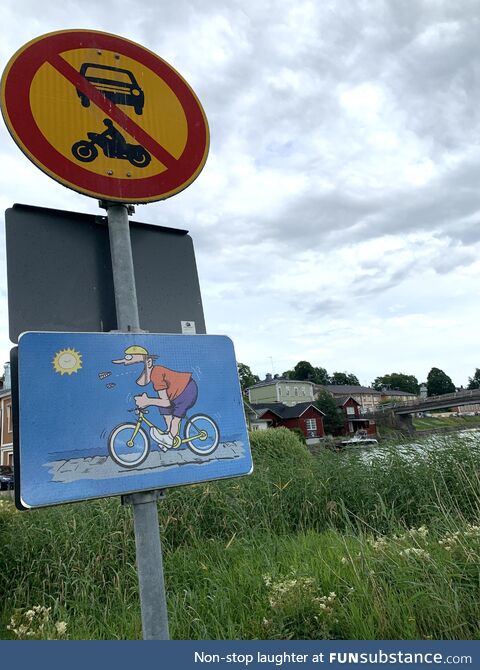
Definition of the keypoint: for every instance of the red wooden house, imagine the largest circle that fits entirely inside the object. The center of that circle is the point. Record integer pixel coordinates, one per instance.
(353, 420)
(6, 429)
(304, 415)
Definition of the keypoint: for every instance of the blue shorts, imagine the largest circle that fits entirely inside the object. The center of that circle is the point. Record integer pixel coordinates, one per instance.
(183, 402)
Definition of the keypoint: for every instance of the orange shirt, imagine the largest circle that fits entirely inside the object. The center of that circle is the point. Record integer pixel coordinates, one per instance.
(173, 382)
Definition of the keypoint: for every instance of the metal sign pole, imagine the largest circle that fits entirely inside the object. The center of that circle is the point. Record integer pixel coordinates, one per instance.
(153, 601)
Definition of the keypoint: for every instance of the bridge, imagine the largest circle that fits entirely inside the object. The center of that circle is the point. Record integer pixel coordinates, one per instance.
(399, 415)
(456, 399)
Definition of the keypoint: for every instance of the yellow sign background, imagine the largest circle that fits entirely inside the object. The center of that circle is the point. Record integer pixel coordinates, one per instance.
(63, 120)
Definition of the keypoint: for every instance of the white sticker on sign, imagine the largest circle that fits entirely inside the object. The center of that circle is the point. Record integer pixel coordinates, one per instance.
(188, 327)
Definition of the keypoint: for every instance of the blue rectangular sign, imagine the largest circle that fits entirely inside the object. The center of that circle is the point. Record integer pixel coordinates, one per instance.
(114, 413)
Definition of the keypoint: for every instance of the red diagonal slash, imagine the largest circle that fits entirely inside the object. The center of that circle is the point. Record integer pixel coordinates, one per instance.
(112, 110)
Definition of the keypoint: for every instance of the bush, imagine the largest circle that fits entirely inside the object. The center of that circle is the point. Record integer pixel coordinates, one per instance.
(299, 433)
(275, 498)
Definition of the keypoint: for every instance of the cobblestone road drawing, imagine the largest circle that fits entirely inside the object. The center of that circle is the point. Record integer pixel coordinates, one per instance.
(103, 467)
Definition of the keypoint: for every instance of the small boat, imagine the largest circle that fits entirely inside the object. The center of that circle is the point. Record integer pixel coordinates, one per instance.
(360, 439)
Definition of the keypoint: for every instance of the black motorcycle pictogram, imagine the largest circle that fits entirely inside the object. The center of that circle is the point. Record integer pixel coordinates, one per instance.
(113, 145)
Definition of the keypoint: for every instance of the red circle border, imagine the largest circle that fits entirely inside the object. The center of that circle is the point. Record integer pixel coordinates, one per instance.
(16, 83)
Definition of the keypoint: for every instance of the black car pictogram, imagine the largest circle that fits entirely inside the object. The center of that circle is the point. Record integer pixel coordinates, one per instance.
(116, 84)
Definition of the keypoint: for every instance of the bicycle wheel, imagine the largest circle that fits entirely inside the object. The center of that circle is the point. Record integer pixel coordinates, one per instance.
(202, 434)
(126, 450)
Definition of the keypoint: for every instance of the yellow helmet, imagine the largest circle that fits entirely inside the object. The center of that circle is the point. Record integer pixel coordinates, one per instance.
(135, 349)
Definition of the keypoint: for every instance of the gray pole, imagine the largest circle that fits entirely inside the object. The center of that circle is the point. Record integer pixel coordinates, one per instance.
(122, 266)
(153, 601)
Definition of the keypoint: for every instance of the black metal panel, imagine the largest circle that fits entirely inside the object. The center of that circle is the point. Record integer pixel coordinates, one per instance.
(60, 276)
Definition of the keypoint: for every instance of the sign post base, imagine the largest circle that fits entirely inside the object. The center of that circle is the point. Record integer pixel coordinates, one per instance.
(149, 564)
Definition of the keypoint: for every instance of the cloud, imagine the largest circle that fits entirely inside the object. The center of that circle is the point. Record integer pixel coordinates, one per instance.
(339, 200)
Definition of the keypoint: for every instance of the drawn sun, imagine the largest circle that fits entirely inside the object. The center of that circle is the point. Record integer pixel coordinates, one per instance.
(67, 361)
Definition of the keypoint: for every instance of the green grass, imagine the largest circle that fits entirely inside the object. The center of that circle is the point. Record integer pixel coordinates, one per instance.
(433, 422)
(273, 589)
(261, 556)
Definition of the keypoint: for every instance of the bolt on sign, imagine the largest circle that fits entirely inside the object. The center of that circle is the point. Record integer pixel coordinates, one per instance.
(104, 116)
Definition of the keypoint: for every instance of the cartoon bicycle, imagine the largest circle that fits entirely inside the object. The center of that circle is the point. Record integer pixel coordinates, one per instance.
(129, 443)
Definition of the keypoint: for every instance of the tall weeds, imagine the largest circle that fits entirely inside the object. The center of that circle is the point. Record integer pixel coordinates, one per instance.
(299, 529)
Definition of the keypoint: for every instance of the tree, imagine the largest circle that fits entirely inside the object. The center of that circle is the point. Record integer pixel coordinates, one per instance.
(305, 371)
(397, 381)
(321, 376)
(246, 376)
(474, 382)
(333, 420)
(343, 378)
(439, 383)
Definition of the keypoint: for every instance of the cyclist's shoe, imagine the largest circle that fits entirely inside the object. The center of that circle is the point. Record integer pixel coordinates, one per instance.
(165, 440)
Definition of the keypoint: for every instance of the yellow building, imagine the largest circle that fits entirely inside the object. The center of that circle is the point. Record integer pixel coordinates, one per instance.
(279, 389)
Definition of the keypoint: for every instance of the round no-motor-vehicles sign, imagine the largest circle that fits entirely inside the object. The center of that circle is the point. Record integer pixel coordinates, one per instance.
(104, 116)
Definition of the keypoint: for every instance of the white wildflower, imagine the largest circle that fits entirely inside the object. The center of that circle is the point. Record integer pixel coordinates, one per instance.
(415, 551)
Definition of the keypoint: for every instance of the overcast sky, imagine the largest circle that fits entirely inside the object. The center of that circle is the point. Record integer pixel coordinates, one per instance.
(337, 217)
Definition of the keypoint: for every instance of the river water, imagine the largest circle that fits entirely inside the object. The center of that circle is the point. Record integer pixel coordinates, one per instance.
(422, 446)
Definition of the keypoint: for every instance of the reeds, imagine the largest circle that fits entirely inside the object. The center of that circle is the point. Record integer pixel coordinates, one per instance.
(393, 535)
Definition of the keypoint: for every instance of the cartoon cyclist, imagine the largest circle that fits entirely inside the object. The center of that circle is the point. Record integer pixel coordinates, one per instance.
(176, 392)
